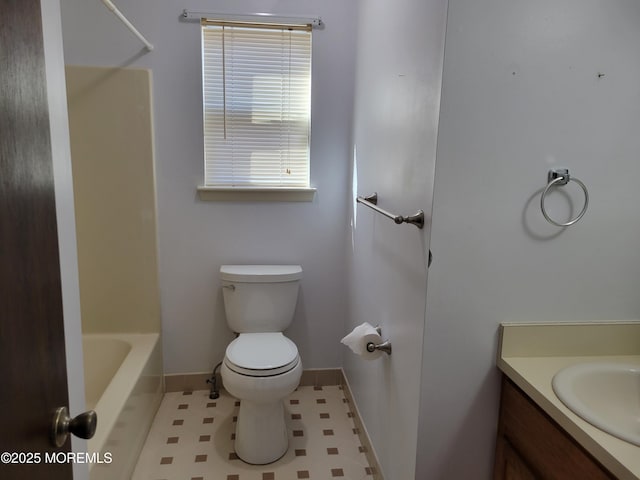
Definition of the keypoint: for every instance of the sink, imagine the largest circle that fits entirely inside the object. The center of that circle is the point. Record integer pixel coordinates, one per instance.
(605, 394)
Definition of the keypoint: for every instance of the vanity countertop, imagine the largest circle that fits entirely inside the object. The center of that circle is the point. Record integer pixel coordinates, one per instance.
(531, 354)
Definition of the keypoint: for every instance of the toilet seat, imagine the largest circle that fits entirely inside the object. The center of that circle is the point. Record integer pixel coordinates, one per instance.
(261, 354)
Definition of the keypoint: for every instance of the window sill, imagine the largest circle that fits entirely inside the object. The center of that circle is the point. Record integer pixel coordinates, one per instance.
(255, 194)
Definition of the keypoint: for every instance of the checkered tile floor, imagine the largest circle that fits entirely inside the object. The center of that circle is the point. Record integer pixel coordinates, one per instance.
(192, 439)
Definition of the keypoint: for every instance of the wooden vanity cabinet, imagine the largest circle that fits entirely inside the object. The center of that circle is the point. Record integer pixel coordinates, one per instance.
(532, 446)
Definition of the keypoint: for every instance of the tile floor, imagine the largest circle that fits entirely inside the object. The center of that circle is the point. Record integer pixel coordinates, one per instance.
(192, 439)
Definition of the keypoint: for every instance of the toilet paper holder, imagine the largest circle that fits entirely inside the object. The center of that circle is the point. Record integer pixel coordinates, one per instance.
(384, 346)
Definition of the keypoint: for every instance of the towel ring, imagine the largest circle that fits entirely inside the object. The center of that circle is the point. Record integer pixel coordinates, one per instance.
(561, 176)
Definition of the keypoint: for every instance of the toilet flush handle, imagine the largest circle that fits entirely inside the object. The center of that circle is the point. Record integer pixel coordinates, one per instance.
(230, 287)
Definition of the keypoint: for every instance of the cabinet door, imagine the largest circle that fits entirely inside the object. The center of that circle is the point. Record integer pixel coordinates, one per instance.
(528, 436)
(508, 464)
(514, 467)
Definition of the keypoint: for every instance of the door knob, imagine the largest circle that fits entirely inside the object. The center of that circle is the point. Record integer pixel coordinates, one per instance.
(83, 425)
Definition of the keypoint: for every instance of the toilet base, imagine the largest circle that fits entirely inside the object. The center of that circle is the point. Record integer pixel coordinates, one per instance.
(261, 432)
(261, 429)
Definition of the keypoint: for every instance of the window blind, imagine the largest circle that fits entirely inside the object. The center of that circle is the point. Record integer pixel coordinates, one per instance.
(257, 105)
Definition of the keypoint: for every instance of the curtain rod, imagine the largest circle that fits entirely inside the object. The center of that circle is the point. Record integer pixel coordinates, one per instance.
(315, 22)
(127, 23)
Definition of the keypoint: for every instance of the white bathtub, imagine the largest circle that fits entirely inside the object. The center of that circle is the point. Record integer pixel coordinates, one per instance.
(123, 384)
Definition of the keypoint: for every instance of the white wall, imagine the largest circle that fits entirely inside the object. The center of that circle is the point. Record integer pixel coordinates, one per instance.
(196, 237)
(522, 94)
(399, 68)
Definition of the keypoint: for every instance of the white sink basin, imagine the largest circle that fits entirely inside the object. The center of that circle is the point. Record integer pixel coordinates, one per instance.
(607, 395)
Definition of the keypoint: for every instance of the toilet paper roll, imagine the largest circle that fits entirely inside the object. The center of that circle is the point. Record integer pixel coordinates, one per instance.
(359, 337)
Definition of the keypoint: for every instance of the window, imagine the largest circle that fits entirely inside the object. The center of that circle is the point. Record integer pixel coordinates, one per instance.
(256, 105)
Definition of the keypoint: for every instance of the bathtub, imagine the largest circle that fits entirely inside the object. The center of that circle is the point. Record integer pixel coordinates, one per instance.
(123, 384)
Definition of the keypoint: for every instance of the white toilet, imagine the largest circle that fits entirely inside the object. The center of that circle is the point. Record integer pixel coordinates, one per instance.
(261, 366)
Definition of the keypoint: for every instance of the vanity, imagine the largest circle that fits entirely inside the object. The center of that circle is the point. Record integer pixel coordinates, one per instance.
(542, 437)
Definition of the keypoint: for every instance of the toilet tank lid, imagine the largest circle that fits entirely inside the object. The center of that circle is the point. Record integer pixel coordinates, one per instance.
(260, 273)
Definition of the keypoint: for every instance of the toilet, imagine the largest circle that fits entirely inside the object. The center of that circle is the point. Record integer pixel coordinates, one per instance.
(261, 367)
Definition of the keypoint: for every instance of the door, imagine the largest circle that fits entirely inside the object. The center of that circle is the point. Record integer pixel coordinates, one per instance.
(32, 344)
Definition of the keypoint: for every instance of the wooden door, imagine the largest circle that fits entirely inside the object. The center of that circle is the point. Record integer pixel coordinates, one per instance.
(32, 352)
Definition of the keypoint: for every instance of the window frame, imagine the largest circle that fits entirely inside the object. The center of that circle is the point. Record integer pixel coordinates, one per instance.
(258, 191)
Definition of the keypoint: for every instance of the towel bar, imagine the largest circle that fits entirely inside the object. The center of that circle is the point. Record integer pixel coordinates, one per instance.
(371, 201)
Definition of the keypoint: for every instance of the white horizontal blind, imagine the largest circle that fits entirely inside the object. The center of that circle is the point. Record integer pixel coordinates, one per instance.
(257, 105)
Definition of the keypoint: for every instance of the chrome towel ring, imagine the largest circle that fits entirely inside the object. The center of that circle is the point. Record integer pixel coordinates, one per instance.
(560, 176)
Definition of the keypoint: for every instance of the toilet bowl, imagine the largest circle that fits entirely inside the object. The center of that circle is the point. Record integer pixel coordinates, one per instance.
(260, 385)
(261, 366)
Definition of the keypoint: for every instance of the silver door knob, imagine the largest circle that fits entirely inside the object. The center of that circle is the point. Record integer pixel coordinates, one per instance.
(83, 425)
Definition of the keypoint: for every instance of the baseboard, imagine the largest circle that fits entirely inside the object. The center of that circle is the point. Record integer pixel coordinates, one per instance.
(313, 377)
(365, 441)
(187, 382)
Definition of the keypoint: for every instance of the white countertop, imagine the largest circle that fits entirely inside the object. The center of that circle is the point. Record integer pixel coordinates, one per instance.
(531, 354)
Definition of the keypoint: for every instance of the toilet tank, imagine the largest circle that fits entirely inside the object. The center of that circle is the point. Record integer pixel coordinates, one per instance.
(260, 298)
